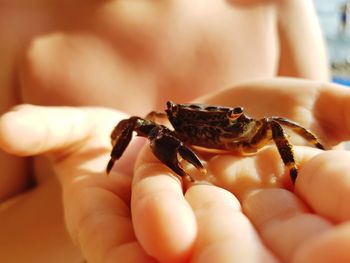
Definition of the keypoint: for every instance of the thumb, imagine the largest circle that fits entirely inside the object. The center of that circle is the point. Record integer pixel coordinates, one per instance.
(30, 130)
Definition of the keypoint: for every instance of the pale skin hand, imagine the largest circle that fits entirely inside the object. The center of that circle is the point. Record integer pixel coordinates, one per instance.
(86, 53)
(207, 221)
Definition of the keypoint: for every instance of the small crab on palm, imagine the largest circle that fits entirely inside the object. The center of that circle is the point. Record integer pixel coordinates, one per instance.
(208, 126)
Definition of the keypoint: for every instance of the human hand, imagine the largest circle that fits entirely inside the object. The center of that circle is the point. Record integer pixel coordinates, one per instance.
(76, 140)
(207, 222)
(261, 218)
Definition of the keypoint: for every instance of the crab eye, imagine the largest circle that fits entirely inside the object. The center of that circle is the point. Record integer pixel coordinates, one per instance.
(171, 106)
(235, 113)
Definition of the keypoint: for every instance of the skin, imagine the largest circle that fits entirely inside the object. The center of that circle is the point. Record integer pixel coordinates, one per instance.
(243, 219)
(57, 59)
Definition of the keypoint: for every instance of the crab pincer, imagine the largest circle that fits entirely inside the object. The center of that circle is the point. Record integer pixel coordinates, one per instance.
(168, 148)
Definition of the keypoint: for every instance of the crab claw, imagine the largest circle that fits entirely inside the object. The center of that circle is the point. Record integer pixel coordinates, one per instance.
(120, 137)
(166, 147)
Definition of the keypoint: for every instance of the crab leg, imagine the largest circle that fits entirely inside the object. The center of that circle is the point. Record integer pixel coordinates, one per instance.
(120, 138)
(270, 129)
(298, 129)
(122, 134)
(284, 147)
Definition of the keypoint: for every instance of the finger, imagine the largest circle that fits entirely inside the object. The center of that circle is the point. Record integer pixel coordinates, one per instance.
(324, 184)
(163, 220)
(59, 131)
(224, 233)
(283, 221)
(330, 246)
(98, 217)
(30, 130)
(334, 120)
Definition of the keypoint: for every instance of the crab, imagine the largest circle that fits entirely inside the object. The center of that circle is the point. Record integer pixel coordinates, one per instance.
(211, 127)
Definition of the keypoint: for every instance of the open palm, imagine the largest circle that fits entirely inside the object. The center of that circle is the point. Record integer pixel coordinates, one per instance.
(148, 217)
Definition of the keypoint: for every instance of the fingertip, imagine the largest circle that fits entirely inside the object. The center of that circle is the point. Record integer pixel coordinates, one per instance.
(18, 130)
(224, 233)
(330, 246)
(164, 222)
(324, 184)
(30, 130)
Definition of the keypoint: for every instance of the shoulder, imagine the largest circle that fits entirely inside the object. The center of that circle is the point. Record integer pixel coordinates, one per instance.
(294, 6)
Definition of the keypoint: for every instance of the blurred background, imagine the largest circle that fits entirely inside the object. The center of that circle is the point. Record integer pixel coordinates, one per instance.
(335, 21)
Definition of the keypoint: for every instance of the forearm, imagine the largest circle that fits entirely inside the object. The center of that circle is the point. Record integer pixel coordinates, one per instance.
(302, 47)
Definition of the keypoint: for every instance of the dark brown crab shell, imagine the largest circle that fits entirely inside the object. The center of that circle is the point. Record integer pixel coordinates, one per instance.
(210, 126)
